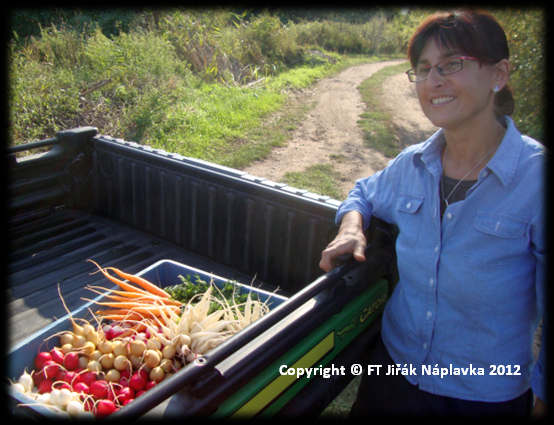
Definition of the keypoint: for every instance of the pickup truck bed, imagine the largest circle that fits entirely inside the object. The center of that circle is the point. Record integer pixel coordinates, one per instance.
(128, 206)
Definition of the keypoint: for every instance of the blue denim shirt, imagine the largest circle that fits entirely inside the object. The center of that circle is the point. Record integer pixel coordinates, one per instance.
(471, 288)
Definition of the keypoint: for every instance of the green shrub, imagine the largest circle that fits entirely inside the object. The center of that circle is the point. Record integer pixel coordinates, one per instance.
(526, 33)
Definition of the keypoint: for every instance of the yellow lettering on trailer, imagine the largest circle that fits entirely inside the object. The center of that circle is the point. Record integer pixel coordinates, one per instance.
(280, 384)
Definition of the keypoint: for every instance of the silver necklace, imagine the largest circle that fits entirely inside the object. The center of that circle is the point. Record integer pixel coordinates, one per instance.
(463, 178)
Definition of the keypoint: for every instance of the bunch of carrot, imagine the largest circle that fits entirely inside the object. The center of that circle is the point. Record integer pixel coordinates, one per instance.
(135, 303)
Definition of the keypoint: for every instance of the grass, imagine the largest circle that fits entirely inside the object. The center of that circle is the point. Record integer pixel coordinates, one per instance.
(340, 407)
(319, 178)
(376, 122)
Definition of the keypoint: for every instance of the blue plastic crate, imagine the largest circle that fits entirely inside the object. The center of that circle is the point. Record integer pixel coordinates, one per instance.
(164, 273)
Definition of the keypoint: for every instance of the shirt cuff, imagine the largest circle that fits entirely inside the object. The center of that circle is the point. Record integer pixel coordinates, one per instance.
(349, 205)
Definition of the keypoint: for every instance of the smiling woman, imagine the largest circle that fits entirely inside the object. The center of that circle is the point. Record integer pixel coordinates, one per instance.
(469, 206)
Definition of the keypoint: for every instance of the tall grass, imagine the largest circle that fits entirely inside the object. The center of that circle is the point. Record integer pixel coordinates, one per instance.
(202, 81)
(194, 83)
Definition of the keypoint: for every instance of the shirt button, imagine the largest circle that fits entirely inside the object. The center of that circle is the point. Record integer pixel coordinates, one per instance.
(485, 173)
(429, 314)
(449, 216)
(408, 205)
(437, 248)
(425, 346)
(431, 282)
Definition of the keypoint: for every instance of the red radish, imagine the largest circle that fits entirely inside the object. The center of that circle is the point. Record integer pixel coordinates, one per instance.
(99, 389)
(124, 378)
(105, 408)
(37, 378)
(89, 377)
(71, 377)
(149, 385)
(60, 375)
(124, 394)
(71, 361)
(45, 386)
(81, 388)
(111, 395)
(108, 333)
(88, 404)
(50, 369)
(59, 385)
(117, 331)
(57, 355)
(137, 381)
(41, 358)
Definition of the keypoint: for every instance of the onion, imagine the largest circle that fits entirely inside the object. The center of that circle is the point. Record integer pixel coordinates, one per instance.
(54, 394)
(83, 362)
(154, 344)
(137, 347)
(151, 358)
(120, 348)
(121, 363)
(64, 397)
(88, 328)
(75, 408)
(113, 375)
(88, 348)
(95, 355)
(105, 347)
(157, 374)
(107, 360)
(67, 348)
(43, 398)
(67, 338)
(26, 381)
(79, 341)
(19, 387)
(94, 366)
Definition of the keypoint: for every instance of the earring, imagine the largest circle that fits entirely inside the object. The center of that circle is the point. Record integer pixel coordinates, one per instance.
(496, 89)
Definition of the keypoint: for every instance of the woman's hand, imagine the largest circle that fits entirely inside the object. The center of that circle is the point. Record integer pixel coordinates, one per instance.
(350, 240)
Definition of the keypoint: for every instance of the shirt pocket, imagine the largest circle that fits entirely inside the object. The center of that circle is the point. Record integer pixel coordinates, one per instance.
(499, 240)
(408, 209)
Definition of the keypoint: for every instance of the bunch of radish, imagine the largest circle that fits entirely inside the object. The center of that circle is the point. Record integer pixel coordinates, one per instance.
(96, 371)
(102, 368)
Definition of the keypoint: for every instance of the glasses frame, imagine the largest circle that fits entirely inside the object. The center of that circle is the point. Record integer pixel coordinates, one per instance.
(462, 58)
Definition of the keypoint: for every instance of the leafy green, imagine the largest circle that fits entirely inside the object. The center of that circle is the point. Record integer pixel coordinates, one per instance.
(186, 290)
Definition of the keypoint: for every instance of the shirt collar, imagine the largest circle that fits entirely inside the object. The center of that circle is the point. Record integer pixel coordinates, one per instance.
(503, 163)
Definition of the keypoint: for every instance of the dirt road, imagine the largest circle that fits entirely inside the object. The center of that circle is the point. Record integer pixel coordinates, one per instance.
(331, 127)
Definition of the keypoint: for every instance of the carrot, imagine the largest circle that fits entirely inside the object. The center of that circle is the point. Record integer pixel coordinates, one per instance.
(118, 315)
(132, 306)
(154, 298)
(118, 282)
(126, 296)
(143, 283)
(134, 309)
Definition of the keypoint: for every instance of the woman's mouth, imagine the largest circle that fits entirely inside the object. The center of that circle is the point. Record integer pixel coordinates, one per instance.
(444, 99)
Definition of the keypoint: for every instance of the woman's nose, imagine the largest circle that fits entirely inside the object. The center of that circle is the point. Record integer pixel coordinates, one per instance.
(435, 78)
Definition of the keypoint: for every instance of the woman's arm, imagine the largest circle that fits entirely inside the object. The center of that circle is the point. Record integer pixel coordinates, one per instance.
(350, 240)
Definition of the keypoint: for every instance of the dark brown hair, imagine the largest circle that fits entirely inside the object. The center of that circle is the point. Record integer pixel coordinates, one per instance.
(470, 32)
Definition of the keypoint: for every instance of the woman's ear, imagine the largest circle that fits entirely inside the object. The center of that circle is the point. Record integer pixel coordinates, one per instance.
(501, 73)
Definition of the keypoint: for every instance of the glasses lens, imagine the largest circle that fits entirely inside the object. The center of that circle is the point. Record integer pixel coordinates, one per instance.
(450, 66)
(418, 74)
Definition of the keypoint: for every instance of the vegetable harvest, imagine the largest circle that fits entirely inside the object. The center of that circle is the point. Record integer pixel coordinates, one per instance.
(139, 336)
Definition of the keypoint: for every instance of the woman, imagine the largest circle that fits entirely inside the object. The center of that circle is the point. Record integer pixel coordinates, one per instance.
(469, 206)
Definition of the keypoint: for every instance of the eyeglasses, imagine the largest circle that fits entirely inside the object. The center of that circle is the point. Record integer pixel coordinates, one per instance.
(445, 67)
